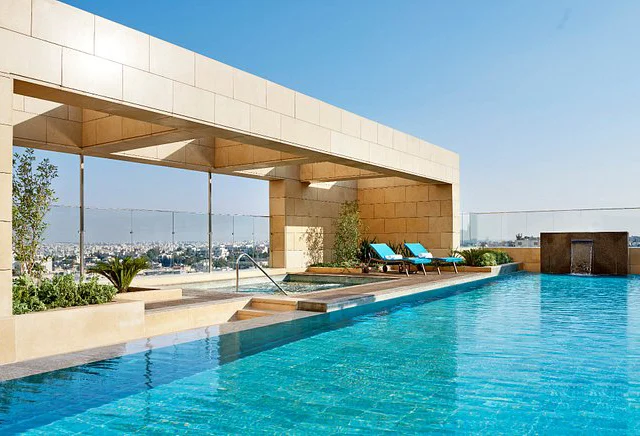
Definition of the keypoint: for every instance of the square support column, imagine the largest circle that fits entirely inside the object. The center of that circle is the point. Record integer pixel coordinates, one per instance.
(294, 208)
(6, 164)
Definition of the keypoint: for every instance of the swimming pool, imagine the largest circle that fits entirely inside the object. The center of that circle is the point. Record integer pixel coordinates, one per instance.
(522, 354)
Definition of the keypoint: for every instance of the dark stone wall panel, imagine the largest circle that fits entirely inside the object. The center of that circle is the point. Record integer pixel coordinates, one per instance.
(610, 252)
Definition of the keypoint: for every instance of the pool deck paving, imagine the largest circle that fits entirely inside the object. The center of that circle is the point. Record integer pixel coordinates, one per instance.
(308, 304)
(325, 300)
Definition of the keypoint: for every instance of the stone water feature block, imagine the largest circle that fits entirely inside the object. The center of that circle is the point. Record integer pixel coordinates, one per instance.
(610, 252)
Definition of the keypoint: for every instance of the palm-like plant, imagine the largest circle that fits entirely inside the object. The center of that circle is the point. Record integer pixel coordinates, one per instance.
(471, 256)
(120, 272)
(365, 251)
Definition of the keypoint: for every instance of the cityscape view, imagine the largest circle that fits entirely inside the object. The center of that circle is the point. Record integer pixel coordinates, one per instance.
(173, 242)
(177, 242)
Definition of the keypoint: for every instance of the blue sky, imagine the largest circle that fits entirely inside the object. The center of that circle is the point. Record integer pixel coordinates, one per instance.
(540, 98)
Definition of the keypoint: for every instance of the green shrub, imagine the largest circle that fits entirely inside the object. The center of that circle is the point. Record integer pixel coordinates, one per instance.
(92, 292)
(483, 257)
(25, 296)
(314, 237)
(487, 259)
(399, 249)
(502, 257)
(366, 252)
(348, 227)
(351, 264)
(120, 272)
(471, 256)
(58, 292)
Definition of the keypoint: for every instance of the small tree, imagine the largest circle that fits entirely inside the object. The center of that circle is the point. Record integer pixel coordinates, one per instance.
(313, 236)
(32, 200)
(348, 230)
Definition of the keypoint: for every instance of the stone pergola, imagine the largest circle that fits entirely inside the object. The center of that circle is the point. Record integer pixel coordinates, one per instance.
(77, 83)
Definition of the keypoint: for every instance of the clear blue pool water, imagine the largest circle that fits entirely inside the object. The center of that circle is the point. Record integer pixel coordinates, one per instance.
(532, 354)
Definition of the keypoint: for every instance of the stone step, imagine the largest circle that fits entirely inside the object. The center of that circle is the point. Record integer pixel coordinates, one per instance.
(274, 304)
(251, 313)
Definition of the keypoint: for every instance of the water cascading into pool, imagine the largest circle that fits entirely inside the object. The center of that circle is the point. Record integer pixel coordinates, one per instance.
(581, 256)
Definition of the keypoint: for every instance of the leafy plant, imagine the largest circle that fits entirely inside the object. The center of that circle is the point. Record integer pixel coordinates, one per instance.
(60, 291)
(399, 248)
(502, 257)
(366, 252)
(313, 236)
(25, 296)
(351, 264)
(92, 292)
(471, 256)
(348, 228)
(488, 259)
(483, 257)
(32, 198)
(120, 272)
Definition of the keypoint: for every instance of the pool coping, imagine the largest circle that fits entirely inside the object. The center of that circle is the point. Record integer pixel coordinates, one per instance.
(41, 365)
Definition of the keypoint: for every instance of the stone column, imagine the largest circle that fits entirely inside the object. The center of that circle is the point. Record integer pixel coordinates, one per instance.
(277, 201)
(6, 147)
(294, 208)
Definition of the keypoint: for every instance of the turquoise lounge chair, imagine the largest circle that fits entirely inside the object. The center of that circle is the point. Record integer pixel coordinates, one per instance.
(386, 256)
(416, 248)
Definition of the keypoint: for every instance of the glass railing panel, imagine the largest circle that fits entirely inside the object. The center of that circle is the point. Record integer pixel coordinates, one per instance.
(523, 228)
(244, 238)
(175, 242)
(191, 252)
(261, 231)
(538, 222)
(153, 237)
(60, 249)
(485, 228)
(222, 242)
(107, 234)
(464, 230)
(514, 225)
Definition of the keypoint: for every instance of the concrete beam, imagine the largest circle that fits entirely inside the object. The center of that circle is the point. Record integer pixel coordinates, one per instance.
(236, 156)
(387, 161)
(331, 172)
(43, 124)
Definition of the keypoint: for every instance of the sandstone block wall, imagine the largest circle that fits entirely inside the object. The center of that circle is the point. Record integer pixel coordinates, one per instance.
(397, 210)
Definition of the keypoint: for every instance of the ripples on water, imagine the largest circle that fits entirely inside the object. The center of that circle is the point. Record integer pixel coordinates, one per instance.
(524, 354)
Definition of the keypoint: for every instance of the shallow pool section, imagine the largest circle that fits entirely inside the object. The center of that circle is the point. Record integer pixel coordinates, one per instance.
(291, 283)
(521, 354)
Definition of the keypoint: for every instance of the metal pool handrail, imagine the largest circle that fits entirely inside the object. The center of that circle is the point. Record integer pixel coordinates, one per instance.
(257, 266)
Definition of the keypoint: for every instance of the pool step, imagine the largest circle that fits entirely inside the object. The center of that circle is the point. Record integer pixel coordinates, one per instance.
(243, 314)
(274, 304)
(259, 307)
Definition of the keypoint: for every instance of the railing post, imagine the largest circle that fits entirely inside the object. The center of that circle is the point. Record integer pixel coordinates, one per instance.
(173, 239)
(81, 224)
(209, 224)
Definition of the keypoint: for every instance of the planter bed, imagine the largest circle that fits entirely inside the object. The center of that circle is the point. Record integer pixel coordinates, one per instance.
(500, 269)
(57, 331)
(333, 270)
